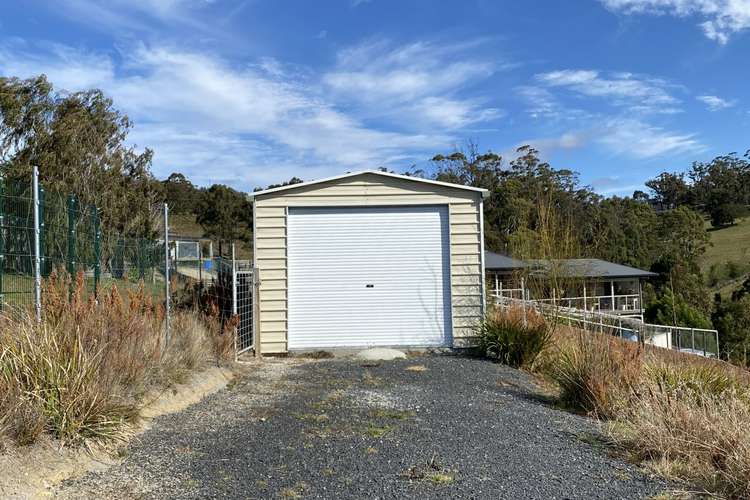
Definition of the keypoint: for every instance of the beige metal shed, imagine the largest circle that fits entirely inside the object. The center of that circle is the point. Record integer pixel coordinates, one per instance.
(368, 259)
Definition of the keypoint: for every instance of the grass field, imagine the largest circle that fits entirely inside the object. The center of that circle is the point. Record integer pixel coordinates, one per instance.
(185, 225)
(729, 244)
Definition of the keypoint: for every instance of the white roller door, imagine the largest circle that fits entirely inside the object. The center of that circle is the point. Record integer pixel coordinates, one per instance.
(368, 276)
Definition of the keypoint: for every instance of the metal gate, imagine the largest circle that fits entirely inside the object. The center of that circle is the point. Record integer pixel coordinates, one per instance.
(242, 307)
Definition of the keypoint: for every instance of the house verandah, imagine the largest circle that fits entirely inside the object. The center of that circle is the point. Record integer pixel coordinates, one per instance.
(587, 284)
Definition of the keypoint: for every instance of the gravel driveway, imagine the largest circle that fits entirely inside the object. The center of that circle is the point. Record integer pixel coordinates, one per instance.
(425, 427)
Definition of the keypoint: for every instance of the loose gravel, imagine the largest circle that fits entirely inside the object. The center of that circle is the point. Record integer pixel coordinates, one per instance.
(424, 427)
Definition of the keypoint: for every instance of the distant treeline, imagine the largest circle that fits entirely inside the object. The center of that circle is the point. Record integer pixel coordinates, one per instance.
(78, 140)
(537, 211)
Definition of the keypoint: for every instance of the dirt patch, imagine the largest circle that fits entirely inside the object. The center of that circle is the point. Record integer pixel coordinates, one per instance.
(38, 468)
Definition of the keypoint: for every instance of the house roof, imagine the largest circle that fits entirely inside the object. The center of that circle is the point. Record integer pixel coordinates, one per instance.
(496, 261)
(485, 193)
(597, 268)
(578, 268)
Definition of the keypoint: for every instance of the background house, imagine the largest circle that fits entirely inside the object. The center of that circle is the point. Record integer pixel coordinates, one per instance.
(587, 284)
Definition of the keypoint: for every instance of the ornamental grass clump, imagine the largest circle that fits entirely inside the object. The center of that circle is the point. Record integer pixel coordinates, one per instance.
(596, 373)
(688, 421)
(82, 373)
(513, 336)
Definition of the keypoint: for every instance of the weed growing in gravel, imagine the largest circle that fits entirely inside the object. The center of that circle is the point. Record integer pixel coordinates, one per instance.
(514, 337)
(430, 471)
(393, 414)
(440, 478)
(82, 372)
(378, 431)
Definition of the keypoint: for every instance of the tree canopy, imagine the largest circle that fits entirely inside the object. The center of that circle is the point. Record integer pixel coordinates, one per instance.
(78, 141)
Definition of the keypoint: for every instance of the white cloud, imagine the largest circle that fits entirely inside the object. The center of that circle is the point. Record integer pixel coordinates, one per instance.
(67, 68)
(721, 18)
(218, 121)
(715, 103)
(143, 16)
(541, 102)
(641, 140)
(567, 140)
(638, 93)
(419, 81)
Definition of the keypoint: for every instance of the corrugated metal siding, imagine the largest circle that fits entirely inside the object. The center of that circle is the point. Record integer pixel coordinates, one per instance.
(367, 190)
(368, 276)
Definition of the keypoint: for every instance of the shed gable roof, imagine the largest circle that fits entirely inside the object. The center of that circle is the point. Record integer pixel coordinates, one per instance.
(484, 192)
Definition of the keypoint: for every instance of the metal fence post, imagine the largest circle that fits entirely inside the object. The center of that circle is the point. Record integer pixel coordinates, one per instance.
(97, 249)
(166, 275)
(692, 336)
(142, 258)
(234, 300)
(2, 239)
(42, 233)
(71, 257)
(37, 257)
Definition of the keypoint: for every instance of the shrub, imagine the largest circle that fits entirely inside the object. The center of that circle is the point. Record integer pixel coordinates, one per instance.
(683, 416)
(82, 372)
(724, 214)
(668, 307)
(689, 421)
(596, 373)
(513, 336)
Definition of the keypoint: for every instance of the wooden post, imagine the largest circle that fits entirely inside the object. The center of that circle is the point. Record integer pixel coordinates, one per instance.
(612, 290)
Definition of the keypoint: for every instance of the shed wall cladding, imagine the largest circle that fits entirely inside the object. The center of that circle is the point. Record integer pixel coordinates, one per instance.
(270, 212)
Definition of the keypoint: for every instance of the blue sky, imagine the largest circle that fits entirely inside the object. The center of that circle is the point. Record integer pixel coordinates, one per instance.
(250, 92)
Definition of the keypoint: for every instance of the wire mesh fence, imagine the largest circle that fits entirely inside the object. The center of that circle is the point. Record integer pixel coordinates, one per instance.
(221, 287)
(71, 240)
(48, 234)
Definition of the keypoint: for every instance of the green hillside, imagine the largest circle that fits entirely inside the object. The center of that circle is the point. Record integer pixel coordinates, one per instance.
(185, 225)
(727, 262)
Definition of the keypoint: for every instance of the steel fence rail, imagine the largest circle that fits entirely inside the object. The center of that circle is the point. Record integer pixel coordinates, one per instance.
(699, 341)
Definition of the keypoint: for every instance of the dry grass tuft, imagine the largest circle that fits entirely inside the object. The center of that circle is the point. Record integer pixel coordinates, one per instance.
(683, 416)
(688, 420)
(514, 336)
(81, 374)
(595, 373)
